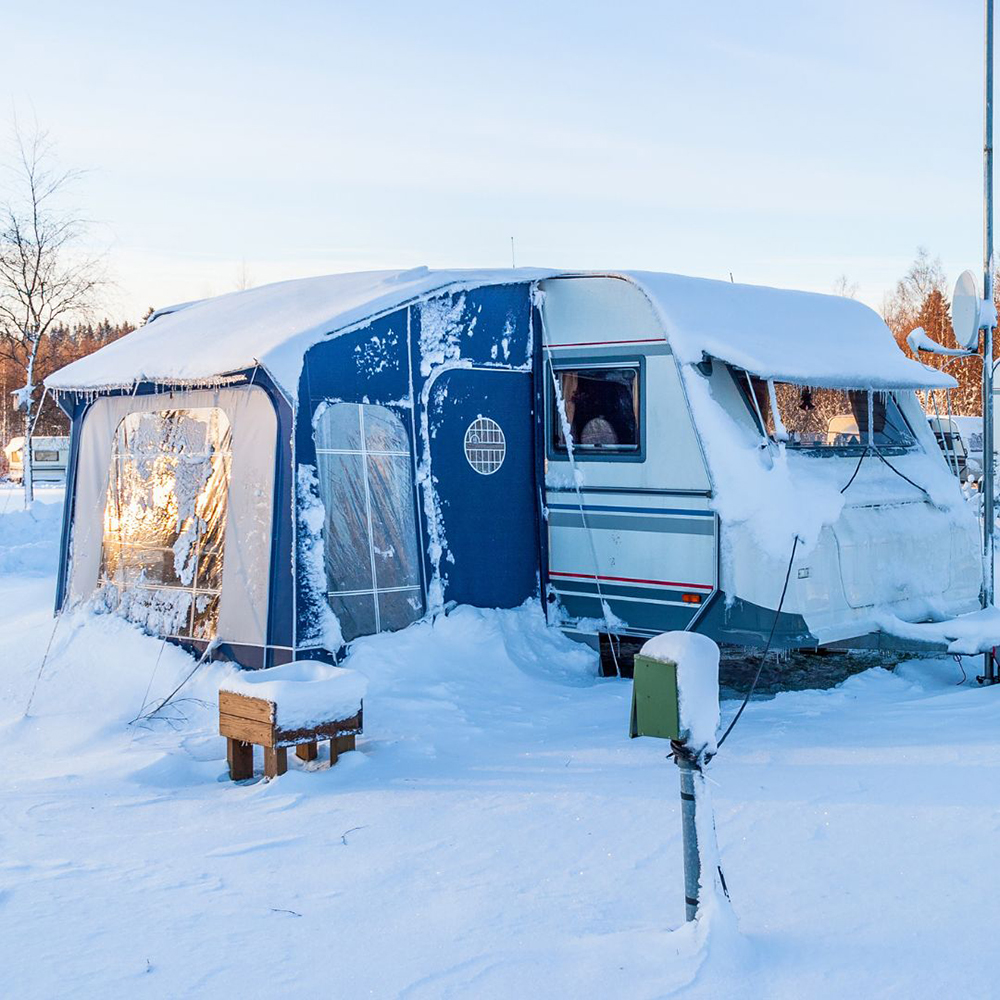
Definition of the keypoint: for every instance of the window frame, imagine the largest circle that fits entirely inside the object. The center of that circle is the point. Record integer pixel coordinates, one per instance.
(742, 379)
(571, 363)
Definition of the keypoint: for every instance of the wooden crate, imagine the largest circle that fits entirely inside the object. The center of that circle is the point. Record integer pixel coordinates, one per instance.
(247, 722)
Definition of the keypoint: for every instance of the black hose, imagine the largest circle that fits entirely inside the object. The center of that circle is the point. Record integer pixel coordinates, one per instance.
(770, 638)
(857, 469)
(900, 474)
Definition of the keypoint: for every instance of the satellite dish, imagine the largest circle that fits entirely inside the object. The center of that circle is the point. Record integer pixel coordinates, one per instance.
(965, 311)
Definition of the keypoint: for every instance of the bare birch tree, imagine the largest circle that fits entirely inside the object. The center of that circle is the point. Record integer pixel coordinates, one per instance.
(46, 275)
(845, 288)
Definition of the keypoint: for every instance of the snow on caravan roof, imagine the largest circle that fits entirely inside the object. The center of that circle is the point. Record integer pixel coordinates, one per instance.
(798, 336)
(273, 325)
(820, 340)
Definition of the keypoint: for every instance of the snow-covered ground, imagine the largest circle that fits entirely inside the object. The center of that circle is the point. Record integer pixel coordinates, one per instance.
(496, 835)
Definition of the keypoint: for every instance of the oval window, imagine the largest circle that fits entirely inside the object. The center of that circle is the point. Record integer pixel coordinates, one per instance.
(485, 446)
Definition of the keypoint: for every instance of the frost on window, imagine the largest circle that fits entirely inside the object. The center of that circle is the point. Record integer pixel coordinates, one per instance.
(165, 520)
(366, 483)
(814, 417)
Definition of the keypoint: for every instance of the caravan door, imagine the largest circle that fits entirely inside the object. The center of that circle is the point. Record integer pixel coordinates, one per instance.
(482, 469)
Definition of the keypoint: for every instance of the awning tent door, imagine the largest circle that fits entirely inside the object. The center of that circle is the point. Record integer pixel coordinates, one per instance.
(174, 499)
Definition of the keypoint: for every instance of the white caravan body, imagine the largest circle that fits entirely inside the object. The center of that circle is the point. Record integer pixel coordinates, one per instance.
(769, 435)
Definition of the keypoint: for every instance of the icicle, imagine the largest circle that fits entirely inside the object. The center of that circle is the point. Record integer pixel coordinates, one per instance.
(780, 434)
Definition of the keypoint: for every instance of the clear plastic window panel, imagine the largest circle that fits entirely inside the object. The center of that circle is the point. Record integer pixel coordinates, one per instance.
(370, 536)
(820, 418)
(601, 406)
(165, 520)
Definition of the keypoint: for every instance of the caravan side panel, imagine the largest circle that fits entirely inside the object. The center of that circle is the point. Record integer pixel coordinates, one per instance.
(630, 528)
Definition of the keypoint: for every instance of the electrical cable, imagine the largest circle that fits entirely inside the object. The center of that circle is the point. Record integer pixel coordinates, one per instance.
(41, 666)
(561, 407)
(900, 474)
(958, 660)
(857, 469)
(767, 648)
(149, 686)
(210, 648)
(886, 461)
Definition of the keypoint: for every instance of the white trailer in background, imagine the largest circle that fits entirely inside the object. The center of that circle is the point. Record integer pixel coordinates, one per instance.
(50, 456)
(952, 441)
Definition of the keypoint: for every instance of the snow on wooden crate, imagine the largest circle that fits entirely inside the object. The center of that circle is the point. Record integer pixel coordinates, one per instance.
(294, 703)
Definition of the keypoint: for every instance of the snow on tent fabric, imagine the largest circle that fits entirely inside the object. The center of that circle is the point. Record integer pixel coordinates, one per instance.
(303, 527)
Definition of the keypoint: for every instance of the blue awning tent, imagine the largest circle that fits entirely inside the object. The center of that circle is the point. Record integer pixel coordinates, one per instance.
(216, 448)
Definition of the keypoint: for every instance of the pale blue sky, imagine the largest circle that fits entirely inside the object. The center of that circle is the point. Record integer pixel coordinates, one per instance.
(787, 142)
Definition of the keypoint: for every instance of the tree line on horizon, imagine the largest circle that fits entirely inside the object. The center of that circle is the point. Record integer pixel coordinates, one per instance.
(61, 345)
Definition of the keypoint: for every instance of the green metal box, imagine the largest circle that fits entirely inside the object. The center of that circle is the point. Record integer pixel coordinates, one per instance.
(655, 711)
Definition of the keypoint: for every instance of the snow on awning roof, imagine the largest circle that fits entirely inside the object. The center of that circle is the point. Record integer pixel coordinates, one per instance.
(273, 326)
(804, 337)
(793, 336)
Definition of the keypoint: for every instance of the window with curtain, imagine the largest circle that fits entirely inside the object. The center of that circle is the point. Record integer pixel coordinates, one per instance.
(370, 537)
(165, 520)
(601, 409)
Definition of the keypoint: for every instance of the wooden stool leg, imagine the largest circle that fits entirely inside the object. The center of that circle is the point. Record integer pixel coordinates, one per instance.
(345, 744)
(275, 761)
(240, 757)
(306, 751)
(333, 751)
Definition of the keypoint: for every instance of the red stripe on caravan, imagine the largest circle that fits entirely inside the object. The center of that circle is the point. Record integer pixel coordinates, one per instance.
(629, 579)
(608, 343)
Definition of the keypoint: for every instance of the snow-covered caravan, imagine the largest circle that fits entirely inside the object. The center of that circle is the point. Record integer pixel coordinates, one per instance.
(281, 470)
(756, 417)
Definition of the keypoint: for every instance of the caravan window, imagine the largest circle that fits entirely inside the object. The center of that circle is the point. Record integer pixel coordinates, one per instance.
(165, 520)
(600, 407)
(370, 534)
(814, 418)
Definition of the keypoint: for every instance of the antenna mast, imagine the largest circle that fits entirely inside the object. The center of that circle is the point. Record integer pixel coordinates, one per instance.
(989, 516)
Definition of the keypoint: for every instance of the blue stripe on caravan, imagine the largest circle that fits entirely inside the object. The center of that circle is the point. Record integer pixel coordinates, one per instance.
(632, 510)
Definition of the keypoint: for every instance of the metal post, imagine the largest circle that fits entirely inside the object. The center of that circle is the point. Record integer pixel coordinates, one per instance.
(989, 673)
(689, 829)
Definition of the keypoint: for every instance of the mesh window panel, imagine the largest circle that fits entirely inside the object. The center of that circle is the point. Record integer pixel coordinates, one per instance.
(342, 487)
(396, 609)
(370, 533)
(394, 539)
(165, 520)
(356, 613)
(338, 427)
